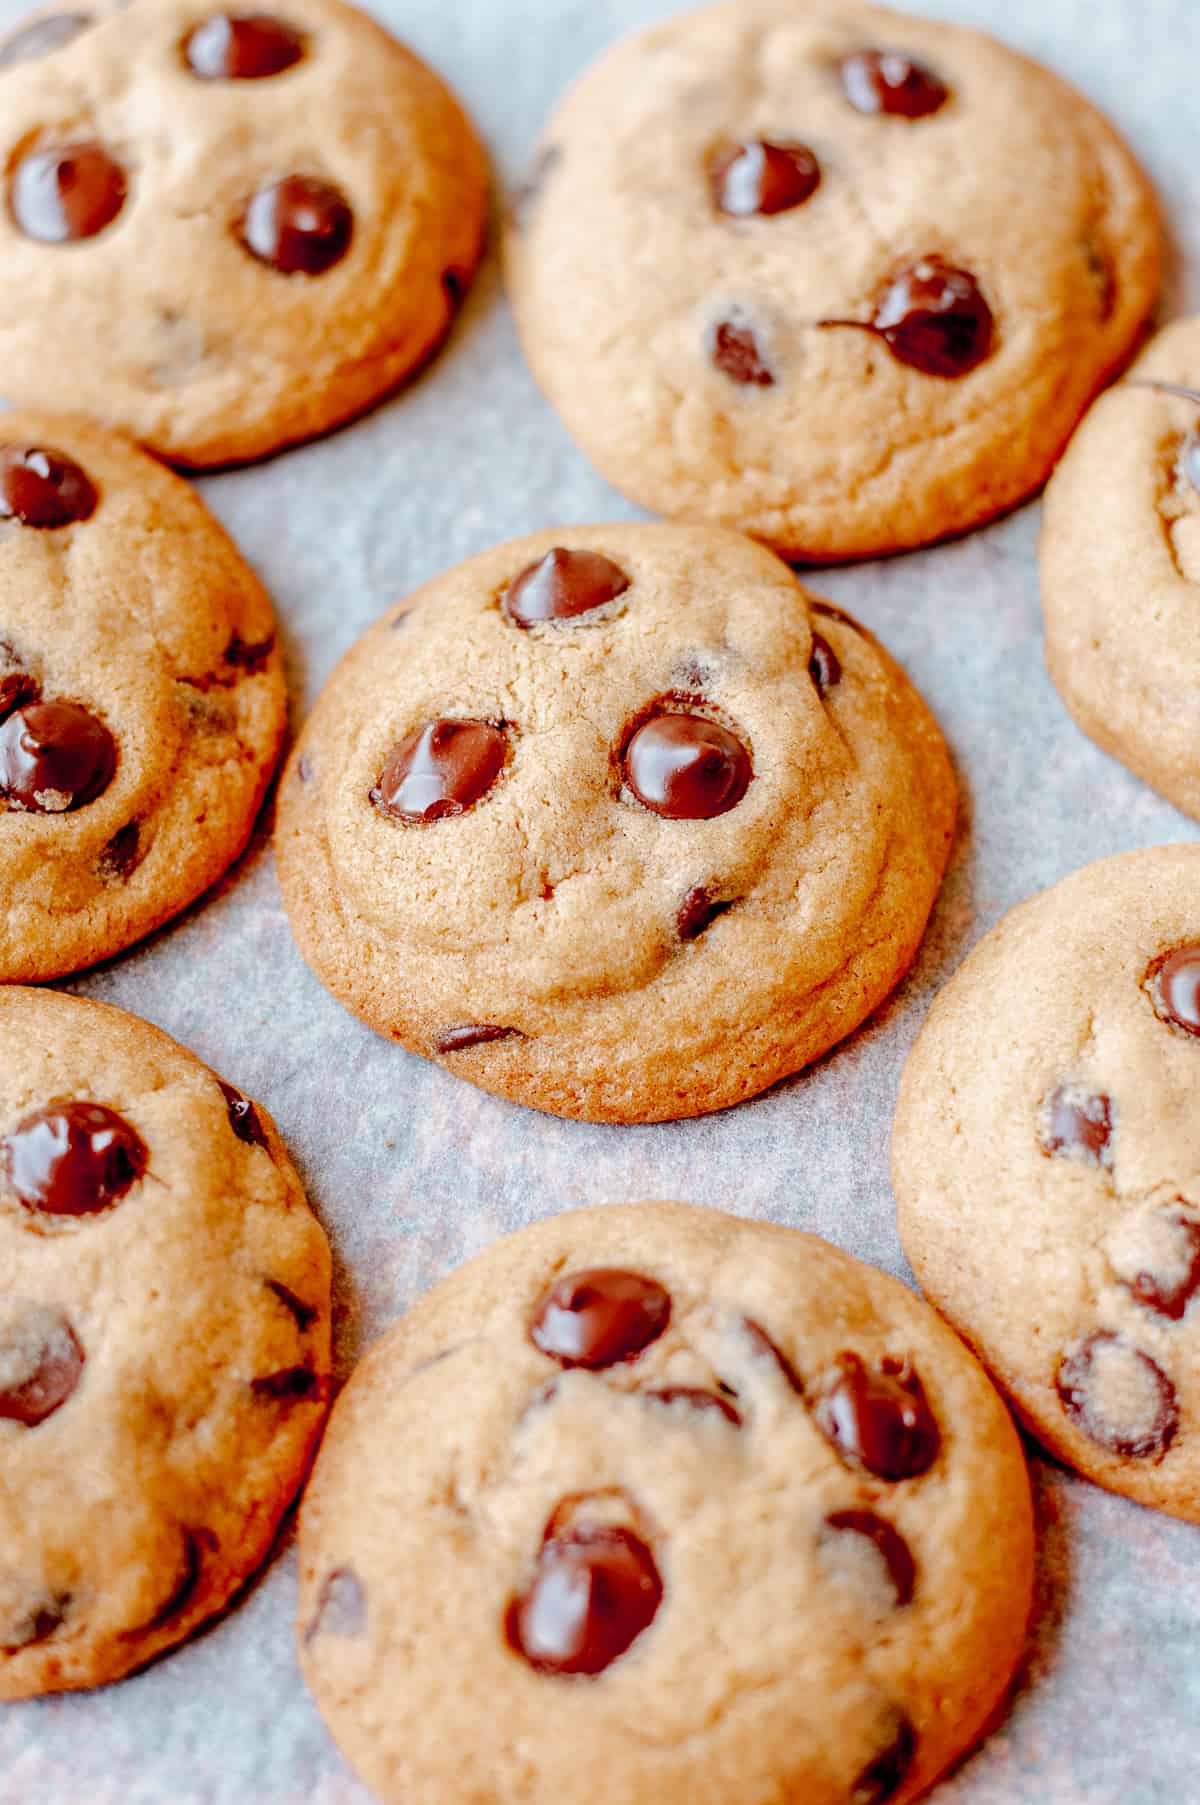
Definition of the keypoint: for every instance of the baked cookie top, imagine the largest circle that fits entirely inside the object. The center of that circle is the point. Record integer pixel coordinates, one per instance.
(142, 699)
(616, 821)
(1045, 1164)
(840, 277)
(1120, 566)
(226, 231)
(164, 1341)
(703, 1505)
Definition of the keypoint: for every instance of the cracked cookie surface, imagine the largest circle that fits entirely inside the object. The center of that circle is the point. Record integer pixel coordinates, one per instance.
(265, 220)
(164, 1341)
(616, 821)
(773, 271)
(1120, 570)
(700, 1504)
(142, 700)
(1045, 1165)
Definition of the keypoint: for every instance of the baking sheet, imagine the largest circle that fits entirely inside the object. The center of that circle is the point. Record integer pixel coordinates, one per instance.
(412, 1171)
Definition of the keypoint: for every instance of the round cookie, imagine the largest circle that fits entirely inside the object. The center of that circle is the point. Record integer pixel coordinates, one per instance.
(265, 219)
(1044, 1163)
(616, 821)
(772, 271)
(164, 1341)
(142, 700)
(1120, 565)
(703, 1505)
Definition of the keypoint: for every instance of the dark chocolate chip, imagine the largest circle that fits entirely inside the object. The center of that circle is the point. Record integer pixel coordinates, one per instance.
(242, 47)
(596, 1589)
(526, 197)
(73, 1159)
(440, 770)
(454, 285)
(932, 317)
(697, 911)
(1169, 1288)
(888, 1772)
(66, 192)
(40, 1362)
(887, 81)
(243, 1117)
(824, 665)
(877, 1418)
(304, 1315)
(341, 1608)
(293, 1385)
(55, 756)
(43, 488)
(472, 1034)
(759, 177)
(734, 349)
(1119, 1397)
(1078, 1124)
(893, 1549)
(1174, 985)
(15, 690)
(299, 225)
(765, 1348)
(123, 854)
(686, 767)
(696, 1399)
(249, 656)
(599, 1317)
(42, 36)
(561, 586)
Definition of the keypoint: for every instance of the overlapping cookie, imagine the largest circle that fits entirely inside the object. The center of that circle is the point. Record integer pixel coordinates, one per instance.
(704, 1506)
(616, 821)
(840, 277)
(226, 231)
(164, 1341)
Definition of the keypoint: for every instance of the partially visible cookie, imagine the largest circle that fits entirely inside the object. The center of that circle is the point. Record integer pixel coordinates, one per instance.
(616, 821)
(225, 231)
(164, 1341)
(839, 277)
(1045, 1162)
(1120, 569)
(701, 1505)
(142, 700)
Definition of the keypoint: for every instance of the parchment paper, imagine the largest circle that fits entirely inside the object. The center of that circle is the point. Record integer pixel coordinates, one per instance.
(412, 1170)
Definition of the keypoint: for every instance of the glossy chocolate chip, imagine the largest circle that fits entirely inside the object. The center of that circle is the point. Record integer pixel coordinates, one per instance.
(440, 770)
(1159, 1261)
(735, 350)
(887, 81)
(40, 1362)
(884, 1777)
(759, 177)
(887, 1540)
(72, 1159)
(472, 1034)
(599, 1317)
(595, 1591)
(877, 1418)
(697, 911)
(561, 586)
(300, 225)
(242, 47)
(55, 756)
(1077, 1123)
(66, 192)
(935, 319)
(1119, 1397)
(1175, 988)
(686, 767)
(43, 488)
(16, 688)
(42, 36)
(694, 1398)
(824, 665)
(304, 1315)
(243, 1117)
(341, 1608)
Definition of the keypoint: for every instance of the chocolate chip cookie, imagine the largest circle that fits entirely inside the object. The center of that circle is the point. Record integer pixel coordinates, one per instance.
(1045, 1164)
(785, 264)
(164, 1341)
(142, 700)
(1120, 566)
(703, 1505)
(616, 821)
(226, 231)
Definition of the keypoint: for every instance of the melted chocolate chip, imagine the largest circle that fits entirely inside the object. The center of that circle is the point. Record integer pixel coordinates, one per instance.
(696, 1399)
(595, 1590)
(734, 349)
(824, 666)
(1119, 1397)
(341, 1608)
(686, 767)
(765, 1348)
(123, 854)
(294, 1384)
(697, 911)
(878, 1419)
(1167, 1284)
(300, 225)
(887, 81)
(440, 770)
(66, 193)
(15, 690)
(472, 1034)
(599, 1317)
(73, 1159)
(42, 37)
(893, 1549)
(888, 1772)
(40, 1362)
(242, 47)
(1077, 1124)
(758, 177)
(304, 1315)
(55, 756)
(243, 1117)
(932, 317)
(1175, 988)
(43, 488)
(561, 586)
